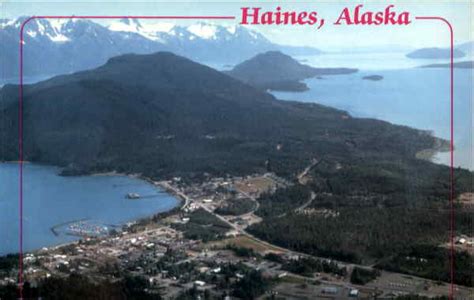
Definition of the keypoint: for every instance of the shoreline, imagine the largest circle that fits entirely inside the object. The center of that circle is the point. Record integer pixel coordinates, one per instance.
(153, 217)
(440, 148)
(162, 184)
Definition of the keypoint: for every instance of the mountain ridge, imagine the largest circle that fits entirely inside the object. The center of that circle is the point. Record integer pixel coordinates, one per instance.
(154, 114)
(62, 43)
(275, 70)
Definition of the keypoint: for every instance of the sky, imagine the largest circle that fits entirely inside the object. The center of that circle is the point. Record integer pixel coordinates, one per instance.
(420, 33)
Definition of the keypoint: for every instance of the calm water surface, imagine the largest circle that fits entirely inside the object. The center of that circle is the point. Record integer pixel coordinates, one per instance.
(416, 97)
(407, 96)
(50, 200)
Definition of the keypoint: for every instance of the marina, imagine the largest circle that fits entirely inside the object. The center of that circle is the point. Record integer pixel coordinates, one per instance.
(65, 209)
(83, 228)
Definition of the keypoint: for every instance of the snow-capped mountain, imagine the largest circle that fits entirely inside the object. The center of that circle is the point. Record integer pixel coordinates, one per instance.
(63, 46)
(167, 32)
(57, 46)
(203, 42)
(153, 32)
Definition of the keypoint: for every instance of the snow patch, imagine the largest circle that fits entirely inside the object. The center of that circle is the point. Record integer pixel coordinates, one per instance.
(231, 29)
(204, 31)
(41, 28)
(31, 33)
(57, 24)
(159, 27)
(58, 38)
(150, 31)
(124, 25)
(6, 23)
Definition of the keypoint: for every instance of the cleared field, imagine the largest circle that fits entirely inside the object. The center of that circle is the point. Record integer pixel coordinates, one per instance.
(255, 185)
(393, 283)
(245, 242)
(307, 290)
(466, 198)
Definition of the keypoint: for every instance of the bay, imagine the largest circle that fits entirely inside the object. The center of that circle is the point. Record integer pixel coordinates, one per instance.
(50, 200)
(415, 97)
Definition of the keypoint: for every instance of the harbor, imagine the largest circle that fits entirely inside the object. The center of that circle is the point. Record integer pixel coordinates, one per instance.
(69, 208)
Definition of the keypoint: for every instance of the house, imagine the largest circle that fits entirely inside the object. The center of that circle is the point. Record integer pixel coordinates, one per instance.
(199, 283)
(354, 293)
(330, 290)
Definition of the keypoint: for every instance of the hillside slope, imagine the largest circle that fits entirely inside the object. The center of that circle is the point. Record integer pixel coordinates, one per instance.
(277, 71)
(162, 114)
(58, 46)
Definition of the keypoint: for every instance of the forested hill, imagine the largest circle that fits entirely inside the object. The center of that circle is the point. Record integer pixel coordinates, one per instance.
(277, 71)
(163, 115)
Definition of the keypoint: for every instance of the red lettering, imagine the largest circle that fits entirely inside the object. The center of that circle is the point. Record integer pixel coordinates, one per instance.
(312, 18)
(404, 18)
(267, 18)
(289, 15)
(366, 18)
(378, 18)
(246, 14)
(356, 14)
(389, 16)
(278, 20)
(386, 17)
(345, 16)
(302, 18)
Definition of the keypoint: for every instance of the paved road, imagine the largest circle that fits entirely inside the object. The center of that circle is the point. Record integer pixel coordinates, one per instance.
(305, 172)
(180, 194)
(242, 231)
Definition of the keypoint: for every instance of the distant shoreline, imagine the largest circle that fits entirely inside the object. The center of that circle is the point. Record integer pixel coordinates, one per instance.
(144, 178)
(148, 180)
(109, 173)
(468, 64)
(156, 184)
(440, 146)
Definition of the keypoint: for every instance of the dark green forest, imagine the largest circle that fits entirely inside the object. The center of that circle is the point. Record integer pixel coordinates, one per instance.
(162, 115)
(203, 226)
(236, 207)
(277, 71)
(76, 287)
(430, 261)
(363, 276)
(309, 266)
(383, 214)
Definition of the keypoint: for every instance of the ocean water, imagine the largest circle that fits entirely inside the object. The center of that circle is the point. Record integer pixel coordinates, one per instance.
(415, 97)
(50, 200)
(407, 95)
(369, 60)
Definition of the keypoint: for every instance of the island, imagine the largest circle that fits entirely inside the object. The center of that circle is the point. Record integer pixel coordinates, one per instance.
(373, 77)
(435, 53)
(276, 194)
(274, 70)
(459, 65)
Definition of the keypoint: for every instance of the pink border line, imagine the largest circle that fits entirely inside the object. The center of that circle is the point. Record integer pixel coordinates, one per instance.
(20, 125)
(451, 150)
(20, 104)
